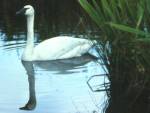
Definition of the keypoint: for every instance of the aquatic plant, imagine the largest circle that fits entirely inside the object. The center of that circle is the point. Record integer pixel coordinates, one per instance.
(125, 25)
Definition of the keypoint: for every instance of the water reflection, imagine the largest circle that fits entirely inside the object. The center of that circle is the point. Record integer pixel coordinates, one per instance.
(50, 86)
(56, 92)
(62, 67)
(31, 104)
(52, 18)
(65, 66)
(54, 86)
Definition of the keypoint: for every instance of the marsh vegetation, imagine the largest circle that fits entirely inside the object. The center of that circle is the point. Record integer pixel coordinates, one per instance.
(125, 25)
(120, 26)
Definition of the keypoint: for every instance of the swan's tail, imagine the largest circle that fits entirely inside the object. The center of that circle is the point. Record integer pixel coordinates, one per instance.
(95, 49)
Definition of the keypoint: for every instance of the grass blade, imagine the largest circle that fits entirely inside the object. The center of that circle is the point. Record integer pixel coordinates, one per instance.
(130, 29)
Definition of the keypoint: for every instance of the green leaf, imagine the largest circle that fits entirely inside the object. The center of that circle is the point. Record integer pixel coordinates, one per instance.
(140, 14)
(129, 29)
(108, 10)
(91, 11)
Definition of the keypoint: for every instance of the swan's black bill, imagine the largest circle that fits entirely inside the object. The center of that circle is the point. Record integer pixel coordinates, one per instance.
(22, 11)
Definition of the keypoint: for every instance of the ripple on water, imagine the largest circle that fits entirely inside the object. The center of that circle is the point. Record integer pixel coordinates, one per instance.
(60, 86)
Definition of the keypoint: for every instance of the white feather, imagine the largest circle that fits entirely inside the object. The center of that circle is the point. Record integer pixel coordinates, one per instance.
(61, 47)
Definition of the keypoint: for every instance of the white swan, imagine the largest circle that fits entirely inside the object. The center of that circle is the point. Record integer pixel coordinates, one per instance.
(61, 47)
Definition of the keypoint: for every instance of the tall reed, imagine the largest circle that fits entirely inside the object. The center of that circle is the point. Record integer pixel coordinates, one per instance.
(125, 25)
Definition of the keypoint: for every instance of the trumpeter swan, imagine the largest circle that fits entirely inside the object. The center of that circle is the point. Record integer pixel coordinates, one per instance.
(60, 47)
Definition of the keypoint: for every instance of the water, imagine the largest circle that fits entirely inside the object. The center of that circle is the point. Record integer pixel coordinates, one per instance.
(60, 86)
(50, 86)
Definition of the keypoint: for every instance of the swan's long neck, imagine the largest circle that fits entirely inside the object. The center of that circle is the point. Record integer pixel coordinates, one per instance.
(28, 52)
(30, 31)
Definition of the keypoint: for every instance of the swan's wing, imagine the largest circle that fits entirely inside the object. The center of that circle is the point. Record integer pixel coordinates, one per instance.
(77, 51)
(60, 48)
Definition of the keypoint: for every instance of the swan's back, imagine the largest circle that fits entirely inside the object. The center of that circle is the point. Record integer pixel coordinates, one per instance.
(51, 49)
(61, 48)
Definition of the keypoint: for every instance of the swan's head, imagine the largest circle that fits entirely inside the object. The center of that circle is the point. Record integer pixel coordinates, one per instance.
(27, 10)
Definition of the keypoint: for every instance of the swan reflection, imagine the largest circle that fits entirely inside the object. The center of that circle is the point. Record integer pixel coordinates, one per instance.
(31, 104)
(64, 66)
(59, 66)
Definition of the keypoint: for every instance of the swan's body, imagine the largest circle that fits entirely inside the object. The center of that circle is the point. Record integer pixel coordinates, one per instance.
(61, 47)
(57, 48)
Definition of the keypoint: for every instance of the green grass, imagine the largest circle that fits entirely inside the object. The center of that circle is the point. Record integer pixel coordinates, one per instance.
(125, 25)
(130, 14)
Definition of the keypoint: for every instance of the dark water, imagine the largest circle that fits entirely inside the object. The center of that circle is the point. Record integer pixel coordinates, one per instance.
(49, 86)
(53, 18)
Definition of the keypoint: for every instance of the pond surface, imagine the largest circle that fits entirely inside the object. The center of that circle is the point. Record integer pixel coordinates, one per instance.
(51, 86)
